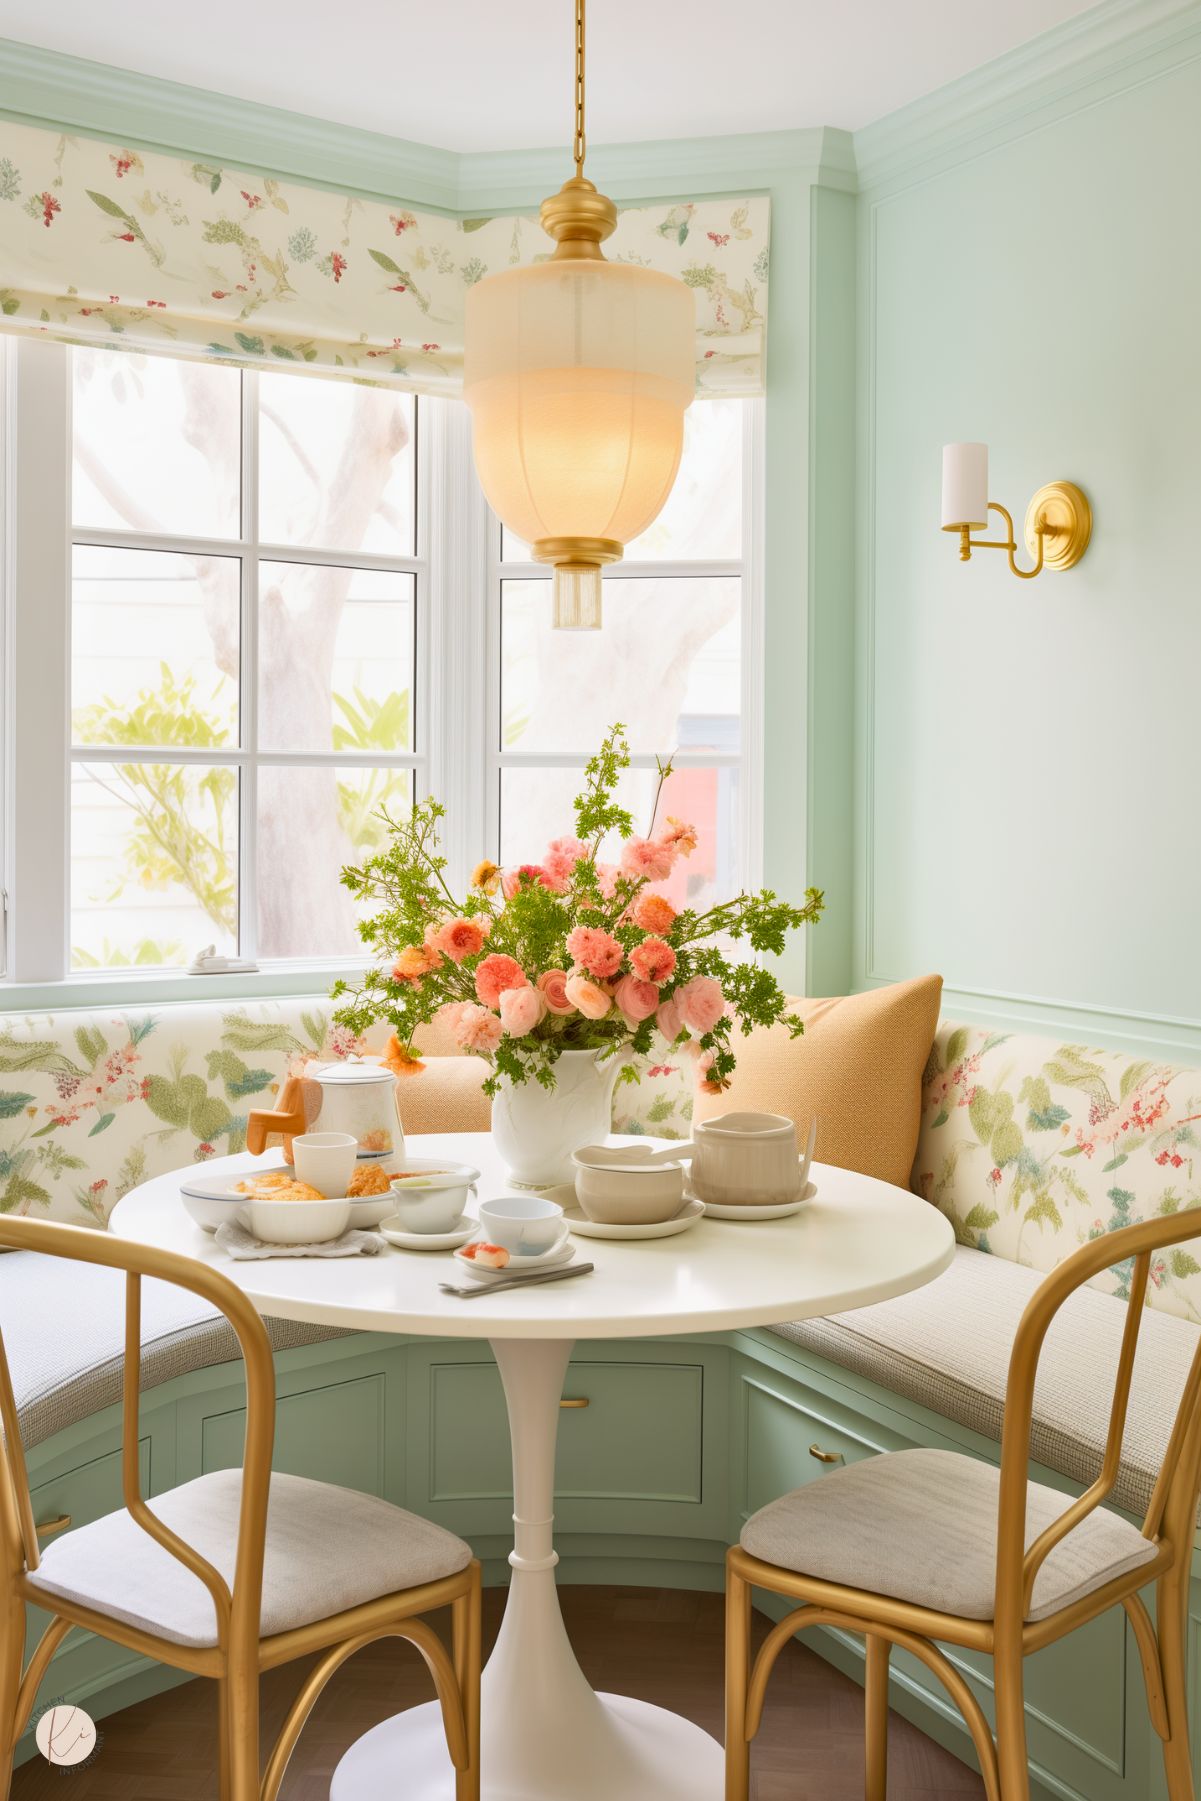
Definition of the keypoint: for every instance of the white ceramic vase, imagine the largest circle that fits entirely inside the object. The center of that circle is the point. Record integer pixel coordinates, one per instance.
(537, 1129)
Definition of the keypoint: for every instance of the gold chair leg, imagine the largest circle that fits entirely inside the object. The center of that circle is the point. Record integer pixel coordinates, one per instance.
(240, 1717)
(465, 1634)
(1170, 1607)
(875, 1786)
(12, 1656)
(738, 1658)
(1012, 1767)
(223, 1770)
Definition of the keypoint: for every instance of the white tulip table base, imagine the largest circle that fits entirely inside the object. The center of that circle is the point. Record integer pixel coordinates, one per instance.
(546, 1735)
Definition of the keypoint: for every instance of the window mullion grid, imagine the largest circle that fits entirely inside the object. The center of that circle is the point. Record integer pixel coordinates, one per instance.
(248, 675)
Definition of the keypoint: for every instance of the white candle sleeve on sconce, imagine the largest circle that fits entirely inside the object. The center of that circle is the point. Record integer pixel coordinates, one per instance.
(964, 486)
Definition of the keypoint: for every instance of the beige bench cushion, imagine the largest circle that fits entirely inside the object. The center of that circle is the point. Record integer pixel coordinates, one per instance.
(327, 1549)
(946, 1346)
(921, 1526)
(64, 1335)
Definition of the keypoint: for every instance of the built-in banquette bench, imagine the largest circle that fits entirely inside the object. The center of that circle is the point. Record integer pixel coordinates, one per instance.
(1031, 1146)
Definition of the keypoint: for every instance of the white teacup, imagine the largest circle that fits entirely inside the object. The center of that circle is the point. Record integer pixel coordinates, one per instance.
(748, 1158)
(526, 1224)
(325, 1160)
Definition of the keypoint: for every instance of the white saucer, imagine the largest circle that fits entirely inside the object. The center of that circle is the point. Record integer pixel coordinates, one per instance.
(430, 1241)
(776, 1209)
(563, 1252)
(689, 1213)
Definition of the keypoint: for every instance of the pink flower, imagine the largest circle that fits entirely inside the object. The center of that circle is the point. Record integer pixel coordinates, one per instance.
(637, 1000)
(607, 875)
(647, 860)
(653, 912)
(670, 1018)
(591, 999)
(702, 1003)
(459, 939)
(682, 838)
(653, 960)
(521, 1009)
(476, 1029)
(562, 855)
(596, 951)
(495, 975)
(511, 880)
(552, 984)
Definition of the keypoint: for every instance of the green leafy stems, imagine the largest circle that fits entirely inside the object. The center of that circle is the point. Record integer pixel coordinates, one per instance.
(529, 914)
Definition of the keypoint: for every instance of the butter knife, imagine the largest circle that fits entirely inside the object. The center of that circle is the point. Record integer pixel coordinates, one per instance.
(530, 1281)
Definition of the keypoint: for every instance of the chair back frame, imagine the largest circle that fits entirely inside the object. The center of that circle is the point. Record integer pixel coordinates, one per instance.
(237, 1610)
(1173, 1504)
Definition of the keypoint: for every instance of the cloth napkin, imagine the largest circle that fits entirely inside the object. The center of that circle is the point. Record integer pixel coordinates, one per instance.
(243, 1246)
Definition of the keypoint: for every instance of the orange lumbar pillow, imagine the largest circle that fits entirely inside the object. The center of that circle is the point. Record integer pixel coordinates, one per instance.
(858, 1067)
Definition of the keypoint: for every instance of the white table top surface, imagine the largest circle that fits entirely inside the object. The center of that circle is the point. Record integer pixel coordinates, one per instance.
(857, 1241)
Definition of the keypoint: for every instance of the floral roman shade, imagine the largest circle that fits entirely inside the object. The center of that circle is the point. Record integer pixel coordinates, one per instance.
(151, 252)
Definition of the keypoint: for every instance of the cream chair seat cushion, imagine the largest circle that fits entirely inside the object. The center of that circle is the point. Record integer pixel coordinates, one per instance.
(327, 1549)
(921, 1526)
(947, 1345)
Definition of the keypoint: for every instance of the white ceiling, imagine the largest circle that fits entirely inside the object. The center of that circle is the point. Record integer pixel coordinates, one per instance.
(495, 74)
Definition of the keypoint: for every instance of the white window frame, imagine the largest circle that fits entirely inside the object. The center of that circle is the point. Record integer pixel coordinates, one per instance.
(456, 752)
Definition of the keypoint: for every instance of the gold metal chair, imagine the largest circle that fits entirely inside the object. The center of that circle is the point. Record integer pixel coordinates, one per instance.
(238, 1651)
(1014, 1620)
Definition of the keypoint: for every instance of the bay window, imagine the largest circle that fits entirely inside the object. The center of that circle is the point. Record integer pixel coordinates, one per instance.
(247, 611)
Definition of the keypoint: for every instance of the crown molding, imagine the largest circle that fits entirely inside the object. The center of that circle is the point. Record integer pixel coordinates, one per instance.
(1115, 45)
(48, 88)
(45, 87)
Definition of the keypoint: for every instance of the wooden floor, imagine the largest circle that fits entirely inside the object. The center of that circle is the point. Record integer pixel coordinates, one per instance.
(659, 1644)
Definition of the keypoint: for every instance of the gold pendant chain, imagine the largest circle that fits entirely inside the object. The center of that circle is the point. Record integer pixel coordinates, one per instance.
(578, 149)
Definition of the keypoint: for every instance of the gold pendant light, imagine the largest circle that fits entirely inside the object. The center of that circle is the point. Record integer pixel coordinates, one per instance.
(578, 372)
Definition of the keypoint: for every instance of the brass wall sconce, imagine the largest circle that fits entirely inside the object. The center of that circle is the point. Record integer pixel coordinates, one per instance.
(1059, 520)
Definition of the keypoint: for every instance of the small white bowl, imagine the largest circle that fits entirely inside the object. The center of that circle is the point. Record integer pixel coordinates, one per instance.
(429, 1196)
(526, 1224)
(297, 1222)
(628, 1193)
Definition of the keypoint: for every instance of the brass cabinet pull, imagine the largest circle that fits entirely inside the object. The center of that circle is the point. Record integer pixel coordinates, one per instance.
(575, 1401)
(825, 1456)
(46, 1528)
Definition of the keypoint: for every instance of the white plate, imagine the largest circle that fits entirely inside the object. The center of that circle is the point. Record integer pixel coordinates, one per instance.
(563, 1252)
(430, 1241)
(776, 1210)
(689, 1213)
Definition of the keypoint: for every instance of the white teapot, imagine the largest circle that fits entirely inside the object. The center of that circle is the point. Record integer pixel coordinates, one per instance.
(358, 1096)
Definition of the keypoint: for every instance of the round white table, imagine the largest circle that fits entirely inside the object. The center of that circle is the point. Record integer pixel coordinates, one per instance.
(547, 1735)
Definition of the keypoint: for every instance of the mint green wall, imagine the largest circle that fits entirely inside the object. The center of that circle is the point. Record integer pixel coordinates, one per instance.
(1029, 754)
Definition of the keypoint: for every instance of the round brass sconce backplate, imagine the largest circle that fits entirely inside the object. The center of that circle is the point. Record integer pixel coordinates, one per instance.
(1062, 509)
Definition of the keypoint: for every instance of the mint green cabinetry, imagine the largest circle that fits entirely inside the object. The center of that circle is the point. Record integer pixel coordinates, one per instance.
(681, 1439)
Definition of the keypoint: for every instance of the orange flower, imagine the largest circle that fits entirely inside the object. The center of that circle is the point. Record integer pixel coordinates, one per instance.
(654, 913)
(415, 961)
(485, 875)
(682, 838)
(400, 1059)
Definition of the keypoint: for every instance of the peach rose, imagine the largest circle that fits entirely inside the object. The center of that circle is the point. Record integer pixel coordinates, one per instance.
(670, 1019)
(653, 960)
(647, 859)
(653, 912)
(588, 996)
(521, 1009)
(702, 1003)
(495, 975)
(476, 1029)
(552, 984)
(637, 1000)
(459, 939)
(594, 950)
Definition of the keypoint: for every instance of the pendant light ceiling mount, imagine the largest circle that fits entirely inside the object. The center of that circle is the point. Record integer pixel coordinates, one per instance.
(578, 374)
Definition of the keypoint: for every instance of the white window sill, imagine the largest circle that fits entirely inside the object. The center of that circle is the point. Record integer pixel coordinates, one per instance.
(133, 988)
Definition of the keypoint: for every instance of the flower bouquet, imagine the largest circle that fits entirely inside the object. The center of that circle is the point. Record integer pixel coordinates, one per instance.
(560, 973)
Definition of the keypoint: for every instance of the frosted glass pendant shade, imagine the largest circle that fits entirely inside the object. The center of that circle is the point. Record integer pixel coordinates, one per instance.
(964, 486)
(578, 373)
